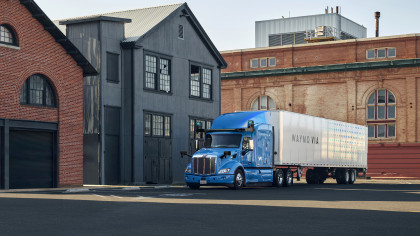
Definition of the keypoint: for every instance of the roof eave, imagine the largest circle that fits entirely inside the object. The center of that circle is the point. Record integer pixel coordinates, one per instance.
(50, 27)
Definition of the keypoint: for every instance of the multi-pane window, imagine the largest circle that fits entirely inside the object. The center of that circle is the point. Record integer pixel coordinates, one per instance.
(157, 125)
(206, 124)
(381, 114)
(263, 62)
(200, 82)
(157, 73)
(380, 53)
(7, 35)
(263, 103)
(37, 91)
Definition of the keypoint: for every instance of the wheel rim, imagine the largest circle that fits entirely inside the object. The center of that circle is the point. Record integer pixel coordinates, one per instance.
(239, 179)
(289, 175)
(279, 178)
(347, 176)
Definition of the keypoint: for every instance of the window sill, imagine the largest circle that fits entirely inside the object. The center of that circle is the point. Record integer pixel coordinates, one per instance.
(158, 92)
(9, 46)
(38, 106)
(201, 99)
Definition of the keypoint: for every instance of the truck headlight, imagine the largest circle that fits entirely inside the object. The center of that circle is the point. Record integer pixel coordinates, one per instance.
(224, 171)
(188, 170)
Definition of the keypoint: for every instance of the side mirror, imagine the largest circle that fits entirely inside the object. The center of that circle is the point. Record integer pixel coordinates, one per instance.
(183, 153)
(227, 153)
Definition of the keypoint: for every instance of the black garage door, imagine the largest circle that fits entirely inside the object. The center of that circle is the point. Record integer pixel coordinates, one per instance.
(31, 159)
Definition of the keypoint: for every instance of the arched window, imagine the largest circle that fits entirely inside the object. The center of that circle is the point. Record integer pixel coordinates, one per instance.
(37, 91)
(263, 103)
(381, 114)
(7, 35)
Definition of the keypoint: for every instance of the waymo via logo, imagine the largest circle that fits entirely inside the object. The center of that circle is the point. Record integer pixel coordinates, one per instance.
(299, 138)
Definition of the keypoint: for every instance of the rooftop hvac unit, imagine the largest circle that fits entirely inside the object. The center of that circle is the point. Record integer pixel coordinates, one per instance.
(320, 31)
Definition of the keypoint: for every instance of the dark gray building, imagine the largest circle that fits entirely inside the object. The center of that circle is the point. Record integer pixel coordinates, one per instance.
(159, 73)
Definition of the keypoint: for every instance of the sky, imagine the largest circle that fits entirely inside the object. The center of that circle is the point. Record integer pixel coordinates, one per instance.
(230, 24)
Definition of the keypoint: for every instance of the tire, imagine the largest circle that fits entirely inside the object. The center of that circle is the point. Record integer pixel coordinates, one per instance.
(278, 178)
(288, 178)
(239, 180)
(309, 176)
(194, 186)
(352, 176)
(338, 176)
(346, 176)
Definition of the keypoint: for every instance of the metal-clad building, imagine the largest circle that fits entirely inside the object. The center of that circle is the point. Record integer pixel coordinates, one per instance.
(293, 30)
(159, 72)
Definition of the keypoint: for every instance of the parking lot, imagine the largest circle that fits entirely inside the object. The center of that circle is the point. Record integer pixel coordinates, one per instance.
(370, 207)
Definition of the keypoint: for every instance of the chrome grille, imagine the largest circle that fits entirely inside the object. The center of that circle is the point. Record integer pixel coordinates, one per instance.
(204, 165)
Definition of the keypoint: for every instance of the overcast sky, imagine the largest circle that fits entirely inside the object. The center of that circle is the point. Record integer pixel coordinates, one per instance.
(231, 23)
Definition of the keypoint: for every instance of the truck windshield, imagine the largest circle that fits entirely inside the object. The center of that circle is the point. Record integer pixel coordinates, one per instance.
(223, 140)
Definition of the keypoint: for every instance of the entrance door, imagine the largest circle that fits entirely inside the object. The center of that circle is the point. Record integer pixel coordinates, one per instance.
(112, 145)
(31, 159)
(157, 160)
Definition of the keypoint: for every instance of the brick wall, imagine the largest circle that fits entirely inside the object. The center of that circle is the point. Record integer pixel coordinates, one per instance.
(337, 95)
(38, 53)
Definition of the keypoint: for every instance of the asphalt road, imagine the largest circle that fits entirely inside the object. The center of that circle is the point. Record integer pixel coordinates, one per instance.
(366, 208)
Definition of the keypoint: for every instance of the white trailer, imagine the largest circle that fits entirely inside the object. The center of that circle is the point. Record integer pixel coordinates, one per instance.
(328, 148)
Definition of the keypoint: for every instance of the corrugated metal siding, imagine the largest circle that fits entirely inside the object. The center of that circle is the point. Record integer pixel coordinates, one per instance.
(298, 24)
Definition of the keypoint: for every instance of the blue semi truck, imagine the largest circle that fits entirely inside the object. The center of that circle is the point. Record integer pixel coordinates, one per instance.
(271, 148)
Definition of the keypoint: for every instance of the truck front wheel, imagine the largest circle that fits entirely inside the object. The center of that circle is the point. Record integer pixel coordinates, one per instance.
(239, 180)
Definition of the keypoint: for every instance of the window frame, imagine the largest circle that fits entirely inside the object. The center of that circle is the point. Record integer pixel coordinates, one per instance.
(201, 67)
(117, 80)
(375, 50)
(192, 121)
(46, 84)
(157, 79)
(181, 27)
(261, 62)
(258, 100)
(165, 118)
(275, 61)
(12, 32)
(375, 122)
(255, 60)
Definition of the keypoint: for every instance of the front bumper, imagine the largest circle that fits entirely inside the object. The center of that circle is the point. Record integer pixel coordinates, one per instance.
(209, 179)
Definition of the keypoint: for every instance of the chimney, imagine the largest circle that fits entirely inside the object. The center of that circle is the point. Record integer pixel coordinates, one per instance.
(377, 15)
(336, 9)
(332, 10)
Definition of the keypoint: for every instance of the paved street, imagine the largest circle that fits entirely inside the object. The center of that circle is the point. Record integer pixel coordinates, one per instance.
(366, 208)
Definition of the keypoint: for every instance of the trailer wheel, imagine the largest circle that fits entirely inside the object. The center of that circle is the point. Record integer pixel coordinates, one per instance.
(346, 176)
(239, 180)
(339, 176)
(352, 176)
(288, 178)
(278, 178)
(309, 176)
(194, 186)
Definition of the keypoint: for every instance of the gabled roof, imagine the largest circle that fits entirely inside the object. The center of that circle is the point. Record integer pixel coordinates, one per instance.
(37, 13)
(145, 20)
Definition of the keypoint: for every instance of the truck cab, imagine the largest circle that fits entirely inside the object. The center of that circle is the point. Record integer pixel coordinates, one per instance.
(238, 151)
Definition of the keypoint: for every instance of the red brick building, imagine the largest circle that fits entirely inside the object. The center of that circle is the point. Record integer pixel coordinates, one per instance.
(372, 81)
(41, 100)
